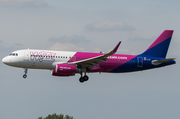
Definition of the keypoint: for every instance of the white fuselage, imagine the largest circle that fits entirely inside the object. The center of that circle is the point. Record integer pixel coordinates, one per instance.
(37, 59)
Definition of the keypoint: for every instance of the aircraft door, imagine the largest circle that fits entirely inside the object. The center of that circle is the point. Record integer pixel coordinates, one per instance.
(139, 62)
(26, 55)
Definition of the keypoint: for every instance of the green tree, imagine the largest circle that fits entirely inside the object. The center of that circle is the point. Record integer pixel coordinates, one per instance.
(56, 116)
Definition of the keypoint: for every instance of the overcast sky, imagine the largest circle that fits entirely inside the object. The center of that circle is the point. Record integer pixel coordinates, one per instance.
(91, 26)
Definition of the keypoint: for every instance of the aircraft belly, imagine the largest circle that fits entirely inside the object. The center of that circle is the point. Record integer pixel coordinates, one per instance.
(42, 65)
(36, 65)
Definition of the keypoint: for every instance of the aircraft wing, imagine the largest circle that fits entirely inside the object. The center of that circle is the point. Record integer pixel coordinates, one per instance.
(94, 61)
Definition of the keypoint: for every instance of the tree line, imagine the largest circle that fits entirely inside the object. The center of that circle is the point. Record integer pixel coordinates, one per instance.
(57, 116)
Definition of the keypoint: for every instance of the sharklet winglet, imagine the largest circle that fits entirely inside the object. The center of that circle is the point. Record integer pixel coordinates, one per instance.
(117, 46)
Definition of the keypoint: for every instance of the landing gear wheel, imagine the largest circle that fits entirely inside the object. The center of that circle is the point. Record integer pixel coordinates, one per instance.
(24, 76)
(85, 78)
(25, 71)
(81, 79)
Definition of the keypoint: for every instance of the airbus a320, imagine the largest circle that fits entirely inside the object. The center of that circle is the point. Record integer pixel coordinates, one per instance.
(65, 63)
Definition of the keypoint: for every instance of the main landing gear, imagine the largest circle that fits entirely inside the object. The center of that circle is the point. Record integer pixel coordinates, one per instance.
(25, 71)
(85, 77)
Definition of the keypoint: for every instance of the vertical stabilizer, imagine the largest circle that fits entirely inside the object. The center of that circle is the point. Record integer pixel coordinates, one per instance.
(160, 46)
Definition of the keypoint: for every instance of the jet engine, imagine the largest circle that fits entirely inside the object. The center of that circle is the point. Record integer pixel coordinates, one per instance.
(64, 70)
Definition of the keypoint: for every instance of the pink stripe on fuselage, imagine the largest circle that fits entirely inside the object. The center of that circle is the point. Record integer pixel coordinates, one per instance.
(164, 36)
(83, 55)
(111, 63)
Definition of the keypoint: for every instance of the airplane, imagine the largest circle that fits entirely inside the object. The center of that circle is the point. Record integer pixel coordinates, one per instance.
(66, 63)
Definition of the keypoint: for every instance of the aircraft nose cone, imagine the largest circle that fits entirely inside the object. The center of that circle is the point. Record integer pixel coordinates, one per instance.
(4, 60)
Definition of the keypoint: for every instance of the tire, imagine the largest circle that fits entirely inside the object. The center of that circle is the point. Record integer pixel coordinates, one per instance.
(24, 76)
(81, 79)
(85, 78)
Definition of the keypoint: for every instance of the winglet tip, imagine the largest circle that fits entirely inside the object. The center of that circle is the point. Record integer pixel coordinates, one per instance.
(116, 48)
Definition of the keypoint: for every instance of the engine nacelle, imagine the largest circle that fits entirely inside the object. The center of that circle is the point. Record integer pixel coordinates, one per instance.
(64, 70)
(61, 74)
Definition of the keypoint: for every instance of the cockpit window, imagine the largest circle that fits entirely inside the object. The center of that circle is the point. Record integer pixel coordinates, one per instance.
(13, 54)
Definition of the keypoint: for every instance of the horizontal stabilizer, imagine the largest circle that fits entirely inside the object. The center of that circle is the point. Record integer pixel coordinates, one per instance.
(157, 62)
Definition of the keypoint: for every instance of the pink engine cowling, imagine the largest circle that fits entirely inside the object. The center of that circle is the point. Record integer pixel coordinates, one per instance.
(64, 70)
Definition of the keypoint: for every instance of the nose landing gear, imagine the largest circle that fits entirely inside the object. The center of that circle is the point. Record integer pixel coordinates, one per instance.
(25, 71)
